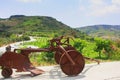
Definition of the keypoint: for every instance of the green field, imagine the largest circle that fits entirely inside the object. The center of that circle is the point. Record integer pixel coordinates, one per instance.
(98, 49)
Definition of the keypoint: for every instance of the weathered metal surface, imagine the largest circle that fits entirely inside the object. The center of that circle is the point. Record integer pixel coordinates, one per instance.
(35, 71)
(68, 67)
(59, 53)
(70, 60)
(6, 72)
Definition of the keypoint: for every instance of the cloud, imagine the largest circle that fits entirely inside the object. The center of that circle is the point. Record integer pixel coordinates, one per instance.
(102, 7)
(97, 2)
(29, 1)
(116, 2)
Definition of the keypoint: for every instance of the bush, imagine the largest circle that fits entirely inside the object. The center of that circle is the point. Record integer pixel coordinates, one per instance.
(115, 55)
(25, 37)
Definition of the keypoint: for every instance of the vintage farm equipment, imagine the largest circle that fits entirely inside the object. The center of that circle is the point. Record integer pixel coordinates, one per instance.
(70, 60)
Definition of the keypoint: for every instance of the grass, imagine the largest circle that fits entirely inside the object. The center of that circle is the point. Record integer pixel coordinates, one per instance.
(88, 51)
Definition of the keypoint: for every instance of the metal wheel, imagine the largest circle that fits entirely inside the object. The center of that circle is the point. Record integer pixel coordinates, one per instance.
(6, 72)
(67, 67)
(58, 54)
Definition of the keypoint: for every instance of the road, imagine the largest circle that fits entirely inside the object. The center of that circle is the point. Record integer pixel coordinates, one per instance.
(103, 71)
(14, 45)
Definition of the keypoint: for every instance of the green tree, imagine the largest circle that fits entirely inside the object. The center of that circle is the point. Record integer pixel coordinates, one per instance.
(80, 44)
(103, 44)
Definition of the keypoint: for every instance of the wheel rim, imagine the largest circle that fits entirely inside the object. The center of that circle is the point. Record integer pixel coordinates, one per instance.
(67, 67)
(58, 54)
(6, 72)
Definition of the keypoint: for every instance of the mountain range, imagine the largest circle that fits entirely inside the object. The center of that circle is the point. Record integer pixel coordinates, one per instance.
(105, 31)
(34, 25)
(49, 26)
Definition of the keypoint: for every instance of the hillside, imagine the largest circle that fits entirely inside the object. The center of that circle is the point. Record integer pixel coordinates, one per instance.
(33, 25)
(105, 31)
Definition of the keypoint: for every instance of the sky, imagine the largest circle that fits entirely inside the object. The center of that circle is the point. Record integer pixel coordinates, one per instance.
(74, 13)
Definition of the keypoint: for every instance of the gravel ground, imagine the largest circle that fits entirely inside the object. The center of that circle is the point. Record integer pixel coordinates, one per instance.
(103, 71)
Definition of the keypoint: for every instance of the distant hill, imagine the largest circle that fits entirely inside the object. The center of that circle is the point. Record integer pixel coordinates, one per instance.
(34, 25)
(105, 31)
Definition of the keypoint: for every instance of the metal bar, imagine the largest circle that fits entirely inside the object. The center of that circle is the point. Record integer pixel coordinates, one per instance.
(68, 56)
(92, 59)
(34, 50)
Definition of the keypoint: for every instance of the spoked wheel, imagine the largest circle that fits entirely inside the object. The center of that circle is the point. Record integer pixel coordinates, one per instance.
(67, 67)
(6, 72)
(58, 54)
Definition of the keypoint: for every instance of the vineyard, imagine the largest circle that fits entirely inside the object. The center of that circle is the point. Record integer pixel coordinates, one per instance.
(98, 48)
(19, 28)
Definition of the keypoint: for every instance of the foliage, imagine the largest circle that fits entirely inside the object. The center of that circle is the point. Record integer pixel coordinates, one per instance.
(80, 44)
(115, 55)
(117, 43)
(103, 44)
(25, 37)
(13, 38)
(86, 47)
(41, 58)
